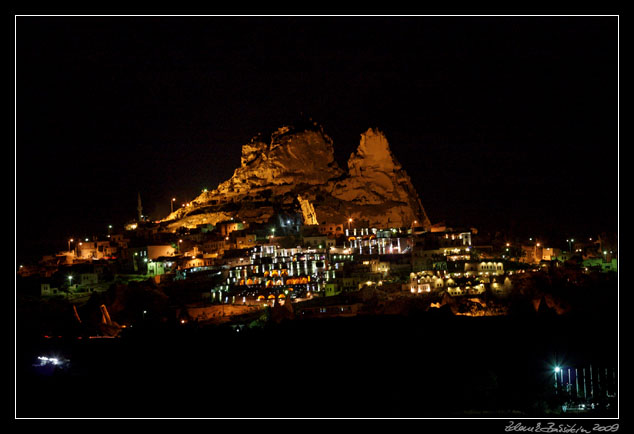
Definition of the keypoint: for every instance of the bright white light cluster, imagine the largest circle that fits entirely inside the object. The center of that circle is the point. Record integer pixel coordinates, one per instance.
(46, 360)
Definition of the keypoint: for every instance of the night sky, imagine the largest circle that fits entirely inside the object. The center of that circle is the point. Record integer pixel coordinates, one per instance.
(501, 122)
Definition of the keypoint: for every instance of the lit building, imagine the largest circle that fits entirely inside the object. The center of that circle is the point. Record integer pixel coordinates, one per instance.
(434, 250)
(475, 280)
(271, 271)
(319, 241)
(370, 241)
(226, 227)
(245, 241)
(534, 253)
(601, 264)
(333, 229)
(216, 245)
(484, 267)
(95, 249)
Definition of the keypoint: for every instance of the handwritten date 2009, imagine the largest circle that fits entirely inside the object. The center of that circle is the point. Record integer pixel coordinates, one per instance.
(551, 427)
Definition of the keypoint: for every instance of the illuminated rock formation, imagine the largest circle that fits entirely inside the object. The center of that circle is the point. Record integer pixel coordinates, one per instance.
(291, 158)
(378, 189)
(308, 212)
(299, 161)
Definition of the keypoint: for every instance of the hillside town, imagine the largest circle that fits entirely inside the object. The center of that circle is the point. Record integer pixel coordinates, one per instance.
(234, 267)
(192, 242)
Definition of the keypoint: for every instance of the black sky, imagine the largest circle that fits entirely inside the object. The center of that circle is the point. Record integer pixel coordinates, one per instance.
(508, 122)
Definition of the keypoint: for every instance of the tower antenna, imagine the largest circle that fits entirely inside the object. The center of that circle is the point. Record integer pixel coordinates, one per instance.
(139, 208)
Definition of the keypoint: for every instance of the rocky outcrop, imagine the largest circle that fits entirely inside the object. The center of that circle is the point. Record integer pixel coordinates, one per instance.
(379, 186)
(290, 158)
(299, 162)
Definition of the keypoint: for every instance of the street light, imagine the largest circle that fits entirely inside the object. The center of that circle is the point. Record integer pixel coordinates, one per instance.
(172, 204)
(70, 241)
(557, 370)
(349, 221)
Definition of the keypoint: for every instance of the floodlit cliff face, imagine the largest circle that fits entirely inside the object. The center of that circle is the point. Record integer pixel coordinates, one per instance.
(378, 183)
(299, 162)
(290, 158)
